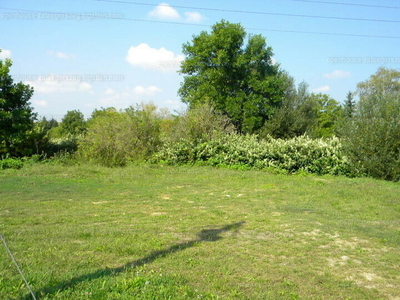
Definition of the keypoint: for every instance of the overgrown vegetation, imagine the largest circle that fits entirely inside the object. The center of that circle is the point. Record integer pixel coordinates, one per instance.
(372, 135)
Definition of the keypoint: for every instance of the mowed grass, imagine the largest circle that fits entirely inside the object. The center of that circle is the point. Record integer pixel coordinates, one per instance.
(158, 232)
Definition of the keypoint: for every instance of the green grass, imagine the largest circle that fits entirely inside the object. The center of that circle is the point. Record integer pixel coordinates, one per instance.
(158, 232)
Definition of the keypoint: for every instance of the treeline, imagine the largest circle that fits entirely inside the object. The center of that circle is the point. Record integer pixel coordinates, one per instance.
(311, 133)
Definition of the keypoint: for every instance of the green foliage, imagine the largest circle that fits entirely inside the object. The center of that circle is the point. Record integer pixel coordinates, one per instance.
(43, 140)
(16, 114)
(67, 144)
(114, 138)
(73, 123)
(38, 140)
(298, 154)
(236, 79)
(296, 115)
(48, 124)
(11, 163)
(328, 113)
(198, 124)
(102, 112)
(18, 163)
(349, 105)
(302, 113)
(55, 132)
(372, 135)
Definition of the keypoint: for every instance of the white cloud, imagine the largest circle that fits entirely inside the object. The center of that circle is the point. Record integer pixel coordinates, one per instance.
(337, 74)
(61, 55)
(322, 89)
(54, 84)
(149, 58)
(5, 53)
(148, 91)
(193, 17)
(165, 12)
(128, 96)
(40, 103)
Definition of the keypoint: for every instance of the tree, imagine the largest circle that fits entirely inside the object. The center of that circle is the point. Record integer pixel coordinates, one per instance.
(349, 105)
(16, 114)
(295, 116)
(328, 113)
(73, 123)
(48, 124)
(236, 79)
(372, 136)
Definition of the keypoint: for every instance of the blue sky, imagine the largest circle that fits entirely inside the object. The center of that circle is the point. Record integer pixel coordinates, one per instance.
(107, 53)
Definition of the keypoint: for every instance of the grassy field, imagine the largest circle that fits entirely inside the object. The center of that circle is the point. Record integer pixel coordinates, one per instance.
(158, 232)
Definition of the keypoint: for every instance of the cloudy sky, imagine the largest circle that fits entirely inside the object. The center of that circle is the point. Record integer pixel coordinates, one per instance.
(87, 54)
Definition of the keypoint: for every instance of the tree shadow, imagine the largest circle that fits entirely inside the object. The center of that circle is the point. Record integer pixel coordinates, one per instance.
(205, 235)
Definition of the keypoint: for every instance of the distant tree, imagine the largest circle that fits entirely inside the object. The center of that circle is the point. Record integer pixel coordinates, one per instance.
(16, 114)
(237, 79)
(296, 115)
(372, 136)
(328, 114)
(48, 124)
(73, 123)
(349, 105)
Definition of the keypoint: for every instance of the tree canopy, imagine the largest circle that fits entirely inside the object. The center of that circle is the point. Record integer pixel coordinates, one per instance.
(238, 79)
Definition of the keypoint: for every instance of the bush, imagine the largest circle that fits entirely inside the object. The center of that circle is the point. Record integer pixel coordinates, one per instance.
(11, 163)
(301, 154)
(113, 138)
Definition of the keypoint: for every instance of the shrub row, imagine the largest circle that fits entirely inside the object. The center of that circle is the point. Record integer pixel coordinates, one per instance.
(300, 154)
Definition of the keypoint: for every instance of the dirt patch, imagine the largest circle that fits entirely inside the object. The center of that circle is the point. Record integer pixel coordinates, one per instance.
(315, 232)
(158, 213)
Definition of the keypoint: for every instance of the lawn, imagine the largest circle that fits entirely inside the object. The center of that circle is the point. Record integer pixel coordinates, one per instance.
(160, 232)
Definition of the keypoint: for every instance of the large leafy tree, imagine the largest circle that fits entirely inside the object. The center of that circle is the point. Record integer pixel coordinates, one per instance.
(16, 114)
(237, 79)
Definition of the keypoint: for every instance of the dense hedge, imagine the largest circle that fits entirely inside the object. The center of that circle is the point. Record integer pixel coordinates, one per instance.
(301, 154)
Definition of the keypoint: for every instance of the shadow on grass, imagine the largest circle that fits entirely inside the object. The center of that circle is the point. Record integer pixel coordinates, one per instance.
(205, 235)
